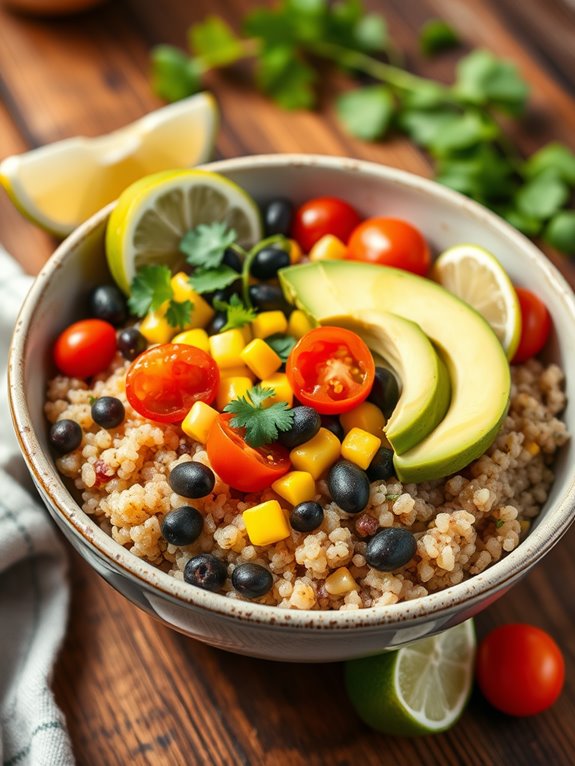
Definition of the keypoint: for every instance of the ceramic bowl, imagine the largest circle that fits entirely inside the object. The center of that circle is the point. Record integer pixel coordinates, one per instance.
(446, 218)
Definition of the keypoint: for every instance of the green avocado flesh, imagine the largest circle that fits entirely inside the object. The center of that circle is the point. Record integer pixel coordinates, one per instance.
(475, 361)
(425, 390)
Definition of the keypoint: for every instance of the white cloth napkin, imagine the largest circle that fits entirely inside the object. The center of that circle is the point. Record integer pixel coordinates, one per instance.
(34, 591)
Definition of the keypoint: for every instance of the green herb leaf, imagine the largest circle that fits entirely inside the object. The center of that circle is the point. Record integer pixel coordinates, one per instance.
(499, 523)
(481, 173)
(526, 224)
(281, 344)
(553, 156)
(270, 26)
(150, 288)
(179, 313)
(208, 280)
(366, 112)
(238, 314)
(370, 33)
(482, 79)
(436, 36)
(560, 231)
(204, 246)
(543, 195)
(262, 424)
(427, 96)
(214, 42)
(285, 77)
(174, 75)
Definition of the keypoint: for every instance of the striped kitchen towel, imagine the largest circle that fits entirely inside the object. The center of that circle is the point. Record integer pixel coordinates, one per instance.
(34, 591)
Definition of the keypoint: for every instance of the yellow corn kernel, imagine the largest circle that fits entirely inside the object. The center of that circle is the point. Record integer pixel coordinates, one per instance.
(266, 523)
(155, 327)
(198, 421)
(268, 323)
(295, 487)
(316, 455)
(231, 388)
(247, 333)
(366, 416)
(241, 371)
(339, 582)
(226, 348)
(360, 447)
(260, 358)
(298, 324)
(533, 448)
(283, 391)
(197, 338)
(202, 312)
(328, 248)
(295, 253)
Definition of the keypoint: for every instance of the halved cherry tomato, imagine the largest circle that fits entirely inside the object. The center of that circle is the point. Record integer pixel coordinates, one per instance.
(321, 216)
(85, 348)
(535, 325)
(331, 369)
(245, 468)
(390, 242)
(520, 669)
(164, 382)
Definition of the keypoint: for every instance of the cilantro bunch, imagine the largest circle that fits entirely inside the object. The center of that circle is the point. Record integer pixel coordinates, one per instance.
(262, 423)
(458, 125)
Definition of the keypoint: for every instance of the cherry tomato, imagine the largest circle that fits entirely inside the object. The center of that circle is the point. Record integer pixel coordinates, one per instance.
(245, 468)
(535, 325)
(321, 216)
(390, 242)
(331, 369)
(520, 669)
(165, 381)
(85, 348)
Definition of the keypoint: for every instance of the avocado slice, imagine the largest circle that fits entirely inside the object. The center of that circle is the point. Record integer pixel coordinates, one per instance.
(425, 386)
(477, 367)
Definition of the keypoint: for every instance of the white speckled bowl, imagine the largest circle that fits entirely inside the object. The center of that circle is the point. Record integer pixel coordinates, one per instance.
(446, 218)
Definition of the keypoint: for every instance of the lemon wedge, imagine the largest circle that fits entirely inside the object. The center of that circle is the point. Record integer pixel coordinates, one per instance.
(476, 276)
(62, 184)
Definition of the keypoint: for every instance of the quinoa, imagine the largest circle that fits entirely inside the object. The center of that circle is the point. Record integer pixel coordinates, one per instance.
(462, 524)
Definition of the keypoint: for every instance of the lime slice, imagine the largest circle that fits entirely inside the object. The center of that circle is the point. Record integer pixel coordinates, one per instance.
(152, 216)
(62, 184)
(477, 277)
(419, 689)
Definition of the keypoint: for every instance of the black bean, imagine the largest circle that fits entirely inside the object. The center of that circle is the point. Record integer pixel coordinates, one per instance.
(277, 215)
(232, 259)
(131, 343)
(252, 580)
(108, 412)
(305, 425)
(107, 302)
(217, 322)
(390, 549)
(269, 298)
(381, 466)
(331, 422)
(183, 525)
(268, 261)
(65, 435)
(205, 571)
(385, 391)
(192, 479)
(348, 486)
(307, 516)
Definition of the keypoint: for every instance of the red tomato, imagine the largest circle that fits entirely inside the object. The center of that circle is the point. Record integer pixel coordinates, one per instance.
(331, 369)
(85, 348)
(535, 325)
(165, 381)
(243, 467)
(321, 216)
(520, 669)
(390, 242)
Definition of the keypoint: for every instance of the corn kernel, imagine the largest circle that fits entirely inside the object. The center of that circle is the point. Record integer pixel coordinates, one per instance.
(339, 582)
(247, 333)
(226, 348)
(295, 253)
(269, 323)
(202, 312)
(197, 338)
(533, 448)
(283, 391)
(360, 447)
(260, 358)
(328, 248)
(366, 416)
(241, 371)
(155, 327)
(298, 324)
(198, 421)
(231, 388)
(266, 523)
(295, 487)
(318, 454)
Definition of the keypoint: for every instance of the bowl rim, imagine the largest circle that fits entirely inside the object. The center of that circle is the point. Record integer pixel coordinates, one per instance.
(480, 587)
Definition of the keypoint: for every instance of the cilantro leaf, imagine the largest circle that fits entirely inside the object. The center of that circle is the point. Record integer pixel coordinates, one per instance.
(151, 287)
(366, 112)
(174, 75)
(281, 344)
(526, 224)
(238, 314)
(553, 156)
(179, 313)
(480, 173)
(436, 36)
(560, 231)
(482, 78)
(214, 42)
(262, 425)
(204, 245)
(543, 195)
(208, 280)
(283, 76)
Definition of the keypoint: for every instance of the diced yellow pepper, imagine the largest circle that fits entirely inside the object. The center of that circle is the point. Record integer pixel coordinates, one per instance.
(231, 388)
(241, 371)
(155, 327)
(295, 487)
(260, 358)
(266, 523)
(298, 324)
(360, 447)
(202, 312)
(367, 416)
(198, 421)
(268, 323)
(340, 582)
(316, 455)
(226, 348)
(197, 338)
(328, 248)
(295, 253)
(283, 391)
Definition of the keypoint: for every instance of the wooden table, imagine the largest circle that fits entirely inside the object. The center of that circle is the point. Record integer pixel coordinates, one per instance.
(133, 691)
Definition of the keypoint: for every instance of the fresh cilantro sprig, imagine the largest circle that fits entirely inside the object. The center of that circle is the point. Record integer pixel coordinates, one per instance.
(151, 288)
(458, 125)
(281, 344)
(262, 424)
(237, 313)
(204, 247)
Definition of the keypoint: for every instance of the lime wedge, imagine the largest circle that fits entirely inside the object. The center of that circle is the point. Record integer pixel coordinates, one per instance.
(152, 216)
(62, 184)
(419, 689)
(477, 277)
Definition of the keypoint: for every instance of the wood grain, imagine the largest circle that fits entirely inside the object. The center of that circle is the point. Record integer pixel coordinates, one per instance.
(133, 691)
